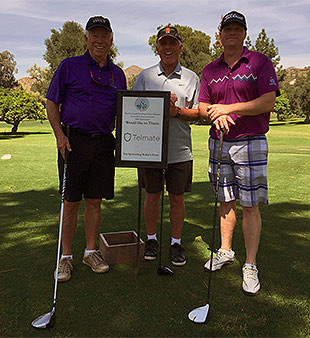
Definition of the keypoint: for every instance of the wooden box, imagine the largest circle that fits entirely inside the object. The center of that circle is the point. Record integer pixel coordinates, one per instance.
(120, 247)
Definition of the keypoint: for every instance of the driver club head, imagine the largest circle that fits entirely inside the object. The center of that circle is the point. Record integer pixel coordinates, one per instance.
(45, 321)
(199, 315)
(165, 271)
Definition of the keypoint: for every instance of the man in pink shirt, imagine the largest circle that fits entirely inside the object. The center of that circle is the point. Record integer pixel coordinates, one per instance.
(237, 94)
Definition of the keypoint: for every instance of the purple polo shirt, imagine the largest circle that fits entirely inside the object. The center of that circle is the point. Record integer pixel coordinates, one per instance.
(85, 104)
(252, 76)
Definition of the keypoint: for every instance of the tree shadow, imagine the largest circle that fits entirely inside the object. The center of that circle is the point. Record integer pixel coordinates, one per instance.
(279, 123)
(29, 234)
(298, 122)
(276, 124)
(10, 136)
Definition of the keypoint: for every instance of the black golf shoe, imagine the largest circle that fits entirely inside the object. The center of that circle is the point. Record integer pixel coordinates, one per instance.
(150, 250)
(177, 255)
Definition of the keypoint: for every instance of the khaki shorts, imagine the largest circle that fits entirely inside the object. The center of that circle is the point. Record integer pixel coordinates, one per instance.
(178, 178)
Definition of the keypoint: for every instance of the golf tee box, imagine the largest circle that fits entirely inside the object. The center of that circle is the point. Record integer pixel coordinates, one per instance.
(120, 247)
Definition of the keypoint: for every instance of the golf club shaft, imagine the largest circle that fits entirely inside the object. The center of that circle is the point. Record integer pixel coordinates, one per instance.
(64, 180)
(161, 215)
(218, 175)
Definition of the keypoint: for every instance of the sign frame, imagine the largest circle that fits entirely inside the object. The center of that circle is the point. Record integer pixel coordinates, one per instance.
(121, 96)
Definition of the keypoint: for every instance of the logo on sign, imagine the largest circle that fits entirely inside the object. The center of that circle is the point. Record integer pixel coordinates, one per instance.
(127, 137)
(142, 103)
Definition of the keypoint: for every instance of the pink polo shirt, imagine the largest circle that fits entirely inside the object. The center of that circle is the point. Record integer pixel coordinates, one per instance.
(252, 76)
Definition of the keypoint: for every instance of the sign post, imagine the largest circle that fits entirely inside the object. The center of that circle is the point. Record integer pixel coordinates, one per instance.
(142, 139)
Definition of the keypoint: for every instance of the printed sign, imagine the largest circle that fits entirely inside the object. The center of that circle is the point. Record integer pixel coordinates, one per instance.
(142, 128)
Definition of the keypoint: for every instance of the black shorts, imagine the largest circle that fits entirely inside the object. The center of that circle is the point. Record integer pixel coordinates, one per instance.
(178, 178)
(91, 170)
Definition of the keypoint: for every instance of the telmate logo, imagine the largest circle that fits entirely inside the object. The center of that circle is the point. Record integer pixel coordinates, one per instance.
(127, 137)
(141, 138)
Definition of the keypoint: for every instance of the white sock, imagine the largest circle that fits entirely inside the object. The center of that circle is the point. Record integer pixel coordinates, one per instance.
(249, 264)
(66, 256)
(175, 240)
(152, 237)
(87, 252)
(228, 251)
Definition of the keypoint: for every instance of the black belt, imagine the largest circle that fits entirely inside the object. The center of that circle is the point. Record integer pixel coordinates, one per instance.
(95, 136)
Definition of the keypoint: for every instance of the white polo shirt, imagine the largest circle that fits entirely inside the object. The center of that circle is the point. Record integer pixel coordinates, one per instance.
(185, 84)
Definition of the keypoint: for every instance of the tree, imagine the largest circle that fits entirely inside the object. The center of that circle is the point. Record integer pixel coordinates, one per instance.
(196, 52)
(297, 89)
(7, 70)
(265, 45)
(302, 87)
(67, 42)
(217, 48)
(18, 105)
(42, 77)
(131, 81)
(282, 107)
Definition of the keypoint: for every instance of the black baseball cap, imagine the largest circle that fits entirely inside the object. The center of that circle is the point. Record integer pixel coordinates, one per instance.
(233, 16)
(98, 21)
(168, 31)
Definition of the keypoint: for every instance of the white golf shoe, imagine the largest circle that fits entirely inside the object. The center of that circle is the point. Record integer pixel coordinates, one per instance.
(221, 258)
(251, 284)
(96, 262)
(64, 269)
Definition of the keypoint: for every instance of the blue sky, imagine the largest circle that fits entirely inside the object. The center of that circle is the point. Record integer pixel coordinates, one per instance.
(25, 24)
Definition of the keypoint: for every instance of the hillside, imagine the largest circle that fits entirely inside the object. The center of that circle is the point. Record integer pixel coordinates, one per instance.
(132, 71)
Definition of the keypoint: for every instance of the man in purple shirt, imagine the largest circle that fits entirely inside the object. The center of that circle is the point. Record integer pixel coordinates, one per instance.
(81, 99)
(237, 94)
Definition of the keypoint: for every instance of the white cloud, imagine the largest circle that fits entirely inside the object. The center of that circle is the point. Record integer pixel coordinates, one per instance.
(134, 21)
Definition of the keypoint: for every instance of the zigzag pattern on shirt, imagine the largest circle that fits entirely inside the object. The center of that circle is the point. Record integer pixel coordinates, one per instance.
(219, 79)
(244, 77)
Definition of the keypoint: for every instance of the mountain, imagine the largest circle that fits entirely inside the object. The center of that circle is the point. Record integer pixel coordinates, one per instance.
(132, 71)
(292, 73)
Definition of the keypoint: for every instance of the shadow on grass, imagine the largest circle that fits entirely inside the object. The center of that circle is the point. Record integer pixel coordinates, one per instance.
(10, 136)
(282, 123)
(118, 305)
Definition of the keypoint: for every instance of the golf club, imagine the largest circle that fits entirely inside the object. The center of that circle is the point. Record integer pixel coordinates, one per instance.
(48, 319)
(199, 315)
(162, 270)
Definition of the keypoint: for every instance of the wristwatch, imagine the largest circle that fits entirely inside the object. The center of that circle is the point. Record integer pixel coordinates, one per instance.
(179, 112)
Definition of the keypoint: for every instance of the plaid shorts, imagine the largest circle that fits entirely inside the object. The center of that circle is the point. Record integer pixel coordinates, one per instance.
(243, 173)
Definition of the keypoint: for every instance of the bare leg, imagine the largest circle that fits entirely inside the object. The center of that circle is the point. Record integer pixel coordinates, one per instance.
(92, 221)
(151, 211)
(177, 214)
(69, 226)
(251, 225)
(228, 221)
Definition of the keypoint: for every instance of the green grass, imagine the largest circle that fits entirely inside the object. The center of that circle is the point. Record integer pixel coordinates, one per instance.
(117, 304)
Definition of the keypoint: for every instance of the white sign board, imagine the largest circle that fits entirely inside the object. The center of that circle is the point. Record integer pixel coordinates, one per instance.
(142, 128)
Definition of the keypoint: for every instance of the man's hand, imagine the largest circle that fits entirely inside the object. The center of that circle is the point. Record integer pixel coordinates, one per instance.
(216, 110)
(173, 108)
(222, 123)
(53, 114)
(62, 144)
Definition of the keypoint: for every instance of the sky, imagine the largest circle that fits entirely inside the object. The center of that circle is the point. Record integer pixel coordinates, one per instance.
(25, 24)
